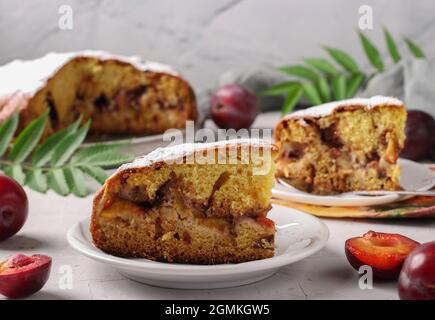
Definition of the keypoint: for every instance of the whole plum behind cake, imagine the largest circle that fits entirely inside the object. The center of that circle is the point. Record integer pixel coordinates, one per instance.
(186, 212)
(122, 95)
(342, 146)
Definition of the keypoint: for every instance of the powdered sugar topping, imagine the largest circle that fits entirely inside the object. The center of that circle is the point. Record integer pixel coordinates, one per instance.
(179, 151)
(327, 108)
(28, 76)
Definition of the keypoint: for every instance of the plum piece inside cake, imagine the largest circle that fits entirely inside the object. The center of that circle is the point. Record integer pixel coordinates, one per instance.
(164, 207)
(342, 146)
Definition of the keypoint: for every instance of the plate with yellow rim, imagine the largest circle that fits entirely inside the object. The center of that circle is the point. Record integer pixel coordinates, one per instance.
(299, 235)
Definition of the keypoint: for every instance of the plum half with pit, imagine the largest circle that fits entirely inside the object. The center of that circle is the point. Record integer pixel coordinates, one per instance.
(420, 136)
(234, 107)
(383, 252)
(13, 207)
(417, 278)
(22, 275)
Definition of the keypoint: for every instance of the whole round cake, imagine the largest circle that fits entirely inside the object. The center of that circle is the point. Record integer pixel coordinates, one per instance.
(122, 95)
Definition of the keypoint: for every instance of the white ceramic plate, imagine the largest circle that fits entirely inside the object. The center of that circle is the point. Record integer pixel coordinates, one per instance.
(141, 145)
(414, 176)
(136, 146)
(299, 236)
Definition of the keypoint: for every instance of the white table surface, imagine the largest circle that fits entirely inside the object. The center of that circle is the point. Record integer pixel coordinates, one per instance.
(325, 275)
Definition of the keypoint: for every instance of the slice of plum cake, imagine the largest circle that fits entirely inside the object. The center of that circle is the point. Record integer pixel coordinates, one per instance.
(166, 207)
(342, 146)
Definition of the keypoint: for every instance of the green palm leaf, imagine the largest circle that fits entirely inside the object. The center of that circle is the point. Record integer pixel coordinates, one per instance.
(343, 59)
(57, 182)
(16, 172)
(372, 52)
(300, 71)
(339, 87)
(52, 166)
(391, 45)
(36, 180)
(416, 51)
(323, 89)
(106, 159)
(28, 139)
(292, 98)
(76, 181)
(353, 84)
(63, 151)
(95, 172)
(279, 88)
(322, 65)
(86, 153)
(45, 150)
(311, 93)
(7, 130)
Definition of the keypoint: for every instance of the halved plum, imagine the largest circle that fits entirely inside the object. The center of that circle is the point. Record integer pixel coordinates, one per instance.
(383, 252)
(22, 275)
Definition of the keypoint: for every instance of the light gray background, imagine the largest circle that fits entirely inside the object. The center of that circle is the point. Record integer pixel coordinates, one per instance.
(203, 38)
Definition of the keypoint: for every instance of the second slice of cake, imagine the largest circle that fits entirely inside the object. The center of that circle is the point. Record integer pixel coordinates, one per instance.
(193, 203)
(343, 146)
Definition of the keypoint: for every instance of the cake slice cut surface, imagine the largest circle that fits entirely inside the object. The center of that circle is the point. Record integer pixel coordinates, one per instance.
(342, 146)
(172, 206)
